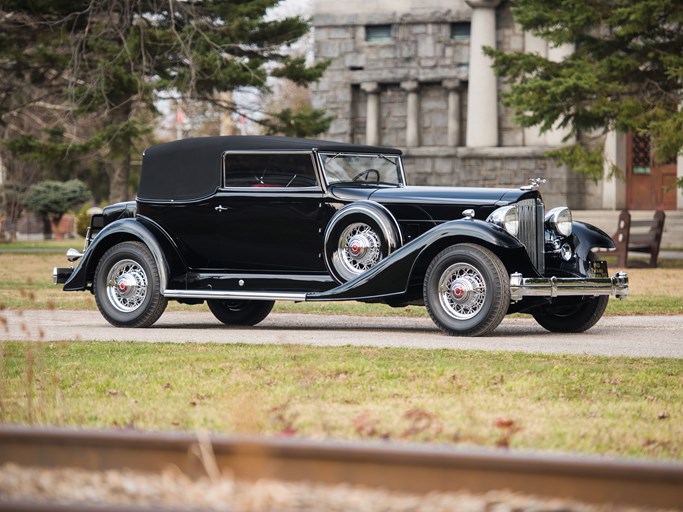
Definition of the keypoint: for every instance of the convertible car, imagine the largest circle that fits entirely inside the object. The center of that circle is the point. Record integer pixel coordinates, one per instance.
(243, 221)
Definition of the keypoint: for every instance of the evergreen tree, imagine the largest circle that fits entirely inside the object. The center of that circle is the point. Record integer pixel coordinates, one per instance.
(115, 59)
(625, 74)
(52, 199)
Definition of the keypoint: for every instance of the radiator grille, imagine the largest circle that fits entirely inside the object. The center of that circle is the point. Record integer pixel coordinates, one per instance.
(531, 217)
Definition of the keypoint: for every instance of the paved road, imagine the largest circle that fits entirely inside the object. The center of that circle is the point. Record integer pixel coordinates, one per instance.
(641, 336)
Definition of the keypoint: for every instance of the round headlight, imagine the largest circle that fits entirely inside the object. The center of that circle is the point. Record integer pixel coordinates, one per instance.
(560, 220)
(507, 218)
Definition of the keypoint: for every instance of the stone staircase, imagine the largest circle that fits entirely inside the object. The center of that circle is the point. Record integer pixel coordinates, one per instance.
(672, 239)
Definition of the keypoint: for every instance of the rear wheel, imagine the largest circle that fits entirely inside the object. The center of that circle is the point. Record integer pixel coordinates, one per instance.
(571, 314)
(240, 312)
(127, 286)
(466, 290)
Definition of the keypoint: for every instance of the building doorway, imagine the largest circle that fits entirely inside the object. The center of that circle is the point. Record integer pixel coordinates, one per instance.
(650, 185)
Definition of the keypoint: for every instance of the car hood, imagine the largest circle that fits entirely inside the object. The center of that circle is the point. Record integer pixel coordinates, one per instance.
(435, 204)
(454, 196)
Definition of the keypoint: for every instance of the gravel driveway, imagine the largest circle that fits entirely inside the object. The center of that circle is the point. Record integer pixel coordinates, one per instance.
(638, 336)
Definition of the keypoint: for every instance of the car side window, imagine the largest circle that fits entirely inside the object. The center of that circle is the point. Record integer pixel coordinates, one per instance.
(267, 170)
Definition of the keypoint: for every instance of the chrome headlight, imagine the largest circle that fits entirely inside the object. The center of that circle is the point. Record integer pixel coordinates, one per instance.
(507, 218)
(560, 220)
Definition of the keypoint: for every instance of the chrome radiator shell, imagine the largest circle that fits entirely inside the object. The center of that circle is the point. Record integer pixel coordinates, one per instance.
(531, 231)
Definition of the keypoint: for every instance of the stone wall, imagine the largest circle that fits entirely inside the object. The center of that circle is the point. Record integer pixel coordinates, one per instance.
(421, 50)
(495, 167)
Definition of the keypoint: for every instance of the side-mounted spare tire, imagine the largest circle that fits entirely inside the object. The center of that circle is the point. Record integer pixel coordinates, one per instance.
(127, 286)
(358, 237)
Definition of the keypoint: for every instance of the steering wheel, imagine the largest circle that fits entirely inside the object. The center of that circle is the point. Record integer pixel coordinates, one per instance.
(365, 175)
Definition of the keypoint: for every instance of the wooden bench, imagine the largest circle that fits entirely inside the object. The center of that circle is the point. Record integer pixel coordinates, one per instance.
(643, 236)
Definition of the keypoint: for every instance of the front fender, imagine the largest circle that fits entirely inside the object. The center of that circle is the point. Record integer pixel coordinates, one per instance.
(116, 232)
(584, 238)
(393, 275)
(587, 237)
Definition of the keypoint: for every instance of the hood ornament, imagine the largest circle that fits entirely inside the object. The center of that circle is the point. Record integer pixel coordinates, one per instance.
(534, 183)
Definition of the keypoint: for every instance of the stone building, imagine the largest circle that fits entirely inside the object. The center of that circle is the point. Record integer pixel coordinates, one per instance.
(411, 74)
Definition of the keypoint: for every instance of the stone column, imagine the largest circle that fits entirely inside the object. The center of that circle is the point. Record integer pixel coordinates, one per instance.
(454, 114)
(534, 44)
(613, 188)
(372, 113)
(482, 105)
(413, 113)
(556, 135)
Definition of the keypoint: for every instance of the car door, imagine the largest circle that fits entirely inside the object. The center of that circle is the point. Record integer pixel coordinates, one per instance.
(271, 213)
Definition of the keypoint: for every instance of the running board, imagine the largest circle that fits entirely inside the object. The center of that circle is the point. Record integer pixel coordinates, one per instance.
(234, 295)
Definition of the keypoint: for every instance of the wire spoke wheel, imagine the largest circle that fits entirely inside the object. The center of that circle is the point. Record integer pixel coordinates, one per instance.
(126, 286)
(466, 290)
(359, 248)
(462, 291)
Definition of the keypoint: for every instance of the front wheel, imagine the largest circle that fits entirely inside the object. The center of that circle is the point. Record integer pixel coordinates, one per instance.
(466, 290)
(240, 312)
(127, 286)
(571, 314)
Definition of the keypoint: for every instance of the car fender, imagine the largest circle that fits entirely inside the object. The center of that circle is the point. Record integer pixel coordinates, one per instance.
(126, 229)
(392, 275)
(587, 237)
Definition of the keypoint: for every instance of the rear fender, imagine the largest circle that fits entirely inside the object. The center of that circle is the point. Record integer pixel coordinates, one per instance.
(127, 229)
(392, 275)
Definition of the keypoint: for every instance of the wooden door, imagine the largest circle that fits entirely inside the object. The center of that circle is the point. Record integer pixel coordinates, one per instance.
(650, 185)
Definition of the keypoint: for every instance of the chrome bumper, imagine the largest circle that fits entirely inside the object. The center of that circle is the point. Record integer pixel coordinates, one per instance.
(521, 287)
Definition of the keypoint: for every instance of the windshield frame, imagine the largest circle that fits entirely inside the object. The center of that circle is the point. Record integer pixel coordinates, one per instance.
(334, 154)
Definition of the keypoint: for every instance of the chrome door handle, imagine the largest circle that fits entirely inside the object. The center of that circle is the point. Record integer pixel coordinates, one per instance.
(221, 208)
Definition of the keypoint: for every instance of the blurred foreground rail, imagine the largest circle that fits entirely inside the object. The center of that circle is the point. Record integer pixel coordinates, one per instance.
(411, 468)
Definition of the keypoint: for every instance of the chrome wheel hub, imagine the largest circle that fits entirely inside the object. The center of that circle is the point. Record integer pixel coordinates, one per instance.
(462, 291)
(126, 285)
(359, 249)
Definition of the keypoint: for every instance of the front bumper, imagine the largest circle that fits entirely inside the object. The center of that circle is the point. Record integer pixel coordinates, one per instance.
(521, 287)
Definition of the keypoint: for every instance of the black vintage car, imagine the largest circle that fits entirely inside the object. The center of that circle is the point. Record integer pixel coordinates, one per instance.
(241, 222)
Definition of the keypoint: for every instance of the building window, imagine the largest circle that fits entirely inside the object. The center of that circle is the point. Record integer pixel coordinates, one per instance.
(460, 31)
(641, 159)
(374, 33)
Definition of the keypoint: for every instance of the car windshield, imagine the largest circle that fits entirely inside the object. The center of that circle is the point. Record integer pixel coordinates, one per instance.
(362, 169)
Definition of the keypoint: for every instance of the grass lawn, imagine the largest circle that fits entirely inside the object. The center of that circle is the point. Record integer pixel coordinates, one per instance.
(612, 406)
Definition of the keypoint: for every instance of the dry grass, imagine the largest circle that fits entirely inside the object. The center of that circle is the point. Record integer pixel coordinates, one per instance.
(616, 406)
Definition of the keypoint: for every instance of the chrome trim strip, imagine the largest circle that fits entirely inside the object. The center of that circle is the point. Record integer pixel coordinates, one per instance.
(521, 287)
(234, 295)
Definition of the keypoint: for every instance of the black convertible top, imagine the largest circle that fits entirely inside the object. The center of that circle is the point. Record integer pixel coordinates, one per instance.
(191, 168)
